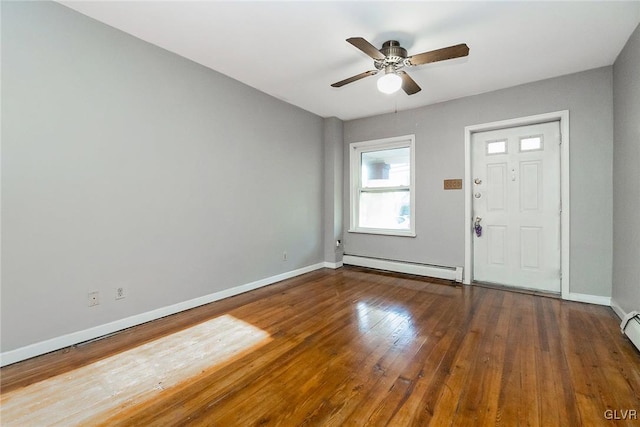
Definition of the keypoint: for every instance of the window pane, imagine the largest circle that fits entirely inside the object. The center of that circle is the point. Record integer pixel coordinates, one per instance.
(532, 143)
(386, 168)
(385, 210)
(497, 147)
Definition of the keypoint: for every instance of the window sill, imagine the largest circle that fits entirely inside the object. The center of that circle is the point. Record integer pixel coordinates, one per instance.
(396, 233)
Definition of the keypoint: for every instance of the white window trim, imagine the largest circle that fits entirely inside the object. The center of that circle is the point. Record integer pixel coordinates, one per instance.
(355, 150)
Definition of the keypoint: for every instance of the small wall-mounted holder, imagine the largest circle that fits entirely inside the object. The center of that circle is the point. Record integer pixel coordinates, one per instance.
(453, 184)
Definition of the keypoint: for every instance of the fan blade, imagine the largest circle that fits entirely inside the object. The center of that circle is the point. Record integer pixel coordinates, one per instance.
(354, 78)
(443, 54)
(366, 47)
(408, 84)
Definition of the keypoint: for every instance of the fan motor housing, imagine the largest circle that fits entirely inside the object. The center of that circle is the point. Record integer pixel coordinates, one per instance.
(394, 55)
(393, 48)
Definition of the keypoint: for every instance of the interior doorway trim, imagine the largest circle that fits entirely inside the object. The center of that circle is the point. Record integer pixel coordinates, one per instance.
(563, 117)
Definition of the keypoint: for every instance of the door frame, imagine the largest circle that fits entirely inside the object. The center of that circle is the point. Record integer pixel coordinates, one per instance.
(563, 117)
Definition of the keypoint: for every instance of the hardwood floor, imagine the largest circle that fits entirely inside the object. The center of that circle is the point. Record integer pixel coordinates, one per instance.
(357, 347)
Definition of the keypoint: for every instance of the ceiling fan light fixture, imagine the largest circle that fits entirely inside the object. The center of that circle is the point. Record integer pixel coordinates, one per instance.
(392, 58)
(389, 83)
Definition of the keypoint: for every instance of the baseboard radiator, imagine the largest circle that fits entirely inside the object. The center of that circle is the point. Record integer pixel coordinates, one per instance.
(630, 326)
(440, 272)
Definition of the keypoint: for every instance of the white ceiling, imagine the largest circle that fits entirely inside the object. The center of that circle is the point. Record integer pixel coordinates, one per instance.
(295, 50)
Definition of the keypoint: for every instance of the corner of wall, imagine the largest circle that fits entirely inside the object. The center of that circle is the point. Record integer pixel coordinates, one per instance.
(626, 175)
(333, 177)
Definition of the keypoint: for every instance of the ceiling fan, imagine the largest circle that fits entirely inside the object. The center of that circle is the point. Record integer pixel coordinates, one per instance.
(392, 58)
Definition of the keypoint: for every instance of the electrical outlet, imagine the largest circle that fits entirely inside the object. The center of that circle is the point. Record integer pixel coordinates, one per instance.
(120, 293)
(284, 255)
(94, 298)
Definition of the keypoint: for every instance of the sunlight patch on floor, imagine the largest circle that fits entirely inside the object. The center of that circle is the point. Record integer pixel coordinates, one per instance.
(105, 387)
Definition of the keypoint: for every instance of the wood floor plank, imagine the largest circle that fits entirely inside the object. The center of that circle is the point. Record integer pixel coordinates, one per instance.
(548, 371)
(479, 401)
(390, 372)
(411, 366)
(355, 347)
(424, 367)
(518, 394)
(436, 392)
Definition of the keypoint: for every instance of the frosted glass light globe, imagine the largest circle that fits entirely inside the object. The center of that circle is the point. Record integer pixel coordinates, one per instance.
(389, 83)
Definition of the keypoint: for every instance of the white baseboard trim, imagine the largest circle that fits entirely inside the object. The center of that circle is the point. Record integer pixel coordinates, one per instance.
(333, 265)
(449, 273)
(589, 299)
(617, 309)
(627, 328)
(53, 344)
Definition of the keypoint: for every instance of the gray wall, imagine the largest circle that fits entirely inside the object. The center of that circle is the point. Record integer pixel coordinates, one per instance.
(626, 176)
(439, 131)
(126, 165)
(333, 176)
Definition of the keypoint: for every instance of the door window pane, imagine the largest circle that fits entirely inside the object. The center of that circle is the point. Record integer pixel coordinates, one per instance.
(497, 147)
(531, 143)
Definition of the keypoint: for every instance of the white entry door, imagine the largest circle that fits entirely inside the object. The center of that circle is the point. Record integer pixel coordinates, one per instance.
(516, 201)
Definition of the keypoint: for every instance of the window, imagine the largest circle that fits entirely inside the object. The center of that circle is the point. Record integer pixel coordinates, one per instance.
(382, 186)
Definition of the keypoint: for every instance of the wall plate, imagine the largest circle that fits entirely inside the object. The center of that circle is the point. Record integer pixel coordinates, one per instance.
(453, 184)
